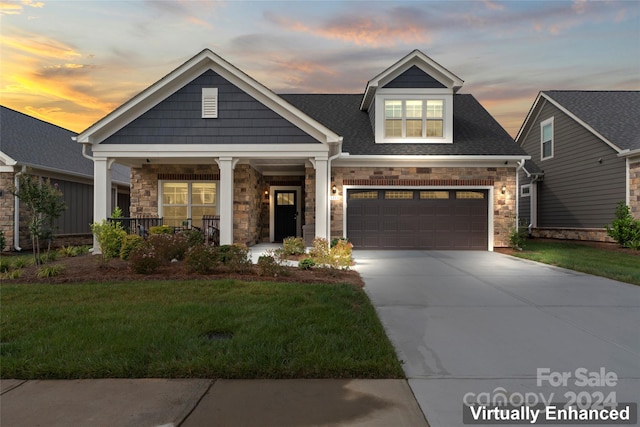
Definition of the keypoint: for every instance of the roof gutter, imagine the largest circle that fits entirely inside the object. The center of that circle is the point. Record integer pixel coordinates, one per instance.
(629, 153)
(16, 210)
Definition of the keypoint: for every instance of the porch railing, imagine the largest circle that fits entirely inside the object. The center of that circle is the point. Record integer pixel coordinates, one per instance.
(139, 226)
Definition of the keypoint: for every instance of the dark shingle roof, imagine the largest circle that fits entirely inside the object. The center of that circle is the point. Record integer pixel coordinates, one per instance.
(36, 143)
(613, 114)
(475, 131)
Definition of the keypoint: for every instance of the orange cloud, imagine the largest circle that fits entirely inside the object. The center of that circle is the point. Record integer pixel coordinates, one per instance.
(15, 8)
(399, 25)
(39, 46)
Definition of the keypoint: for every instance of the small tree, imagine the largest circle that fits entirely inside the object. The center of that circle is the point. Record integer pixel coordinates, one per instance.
(44, 204)
(625, 229)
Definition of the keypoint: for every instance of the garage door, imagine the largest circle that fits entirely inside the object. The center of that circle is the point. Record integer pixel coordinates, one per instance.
(418, 219)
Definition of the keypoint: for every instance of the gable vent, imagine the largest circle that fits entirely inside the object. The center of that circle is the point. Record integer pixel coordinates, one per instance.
(209, 102)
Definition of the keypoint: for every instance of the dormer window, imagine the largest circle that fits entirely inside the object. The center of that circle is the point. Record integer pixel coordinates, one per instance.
(414, 119)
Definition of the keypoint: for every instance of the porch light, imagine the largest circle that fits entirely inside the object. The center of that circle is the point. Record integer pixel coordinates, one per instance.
(334, 189)
(504, 189)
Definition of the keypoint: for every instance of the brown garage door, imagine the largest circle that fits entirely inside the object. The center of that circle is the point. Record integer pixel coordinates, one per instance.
(418, 219)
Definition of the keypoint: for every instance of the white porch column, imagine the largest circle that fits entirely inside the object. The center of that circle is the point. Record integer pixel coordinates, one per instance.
(322, 198)
(226, 200)
(101, 193)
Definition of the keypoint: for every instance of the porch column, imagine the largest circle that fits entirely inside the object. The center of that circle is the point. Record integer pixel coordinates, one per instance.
(101, 193)
(226, 200)
(322, 198)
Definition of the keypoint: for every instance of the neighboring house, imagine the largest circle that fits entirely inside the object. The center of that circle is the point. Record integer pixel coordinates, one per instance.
(585, 159)
(408, 164)
(38, 148)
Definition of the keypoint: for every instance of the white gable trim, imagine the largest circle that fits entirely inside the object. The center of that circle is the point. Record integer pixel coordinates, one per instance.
(7, 160)
(194, 67)
(418, 59)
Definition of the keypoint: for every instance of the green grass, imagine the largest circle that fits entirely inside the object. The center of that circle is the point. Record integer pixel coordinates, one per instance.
(160, 329)
(575, 256)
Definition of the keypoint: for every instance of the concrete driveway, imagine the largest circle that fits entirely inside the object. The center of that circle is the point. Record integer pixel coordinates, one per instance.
(466, 323)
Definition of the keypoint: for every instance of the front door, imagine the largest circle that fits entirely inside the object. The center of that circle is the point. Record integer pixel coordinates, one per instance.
(285, 214)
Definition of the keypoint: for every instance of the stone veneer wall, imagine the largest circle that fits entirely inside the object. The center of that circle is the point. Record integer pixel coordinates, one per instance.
(634, 189)
(246, 187)
(247, 205)
(6, 209)
(504, 205)
(592, 234)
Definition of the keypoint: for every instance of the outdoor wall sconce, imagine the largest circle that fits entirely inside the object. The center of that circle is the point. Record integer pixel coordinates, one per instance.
(334, 189)
(504, 189)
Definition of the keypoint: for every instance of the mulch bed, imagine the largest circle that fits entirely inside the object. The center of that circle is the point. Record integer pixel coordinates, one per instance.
(89, 268)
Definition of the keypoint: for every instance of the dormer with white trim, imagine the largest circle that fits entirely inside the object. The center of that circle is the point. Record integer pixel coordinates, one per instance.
(412, 101)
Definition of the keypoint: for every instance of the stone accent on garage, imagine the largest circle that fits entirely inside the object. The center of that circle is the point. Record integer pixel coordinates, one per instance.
(591, 234)
(6, 209)
(634, 189)
(503, 204)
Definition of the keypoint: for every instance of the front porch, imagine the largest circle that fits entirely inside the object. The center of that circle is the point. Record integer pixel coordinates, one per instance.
(256, 201)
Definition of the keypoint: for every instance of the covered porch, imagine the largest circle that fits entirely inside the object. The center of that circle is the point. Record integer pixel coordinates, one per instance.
(258, 198)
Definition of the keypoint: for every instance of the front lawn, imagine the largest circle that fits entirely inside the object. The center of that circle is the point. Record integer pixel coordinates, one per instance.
(597, 260)
(204, 329)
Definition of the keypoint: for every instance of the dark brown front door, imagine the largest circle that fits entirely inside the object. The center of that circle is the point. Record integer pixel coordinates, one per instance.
(418, 219)
(285, 214)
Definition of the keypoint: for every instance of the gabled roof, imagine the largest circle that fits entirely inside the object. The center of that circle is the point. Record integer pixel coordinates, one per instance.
(418, 59)
(203, 61)
(475, 131)
(35, 143)
(611, 116)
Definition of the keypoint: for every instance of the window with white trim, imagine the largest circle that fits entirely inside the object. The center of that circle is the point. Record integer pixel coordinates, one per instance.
(414, 118)
(546, 139)
(525, 190)
(183, 200)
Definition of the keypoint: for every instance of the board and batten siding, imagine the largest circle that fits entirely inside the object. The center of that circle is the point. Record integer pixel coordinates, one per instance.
(585, 179)
(79, 213)
(241, 119)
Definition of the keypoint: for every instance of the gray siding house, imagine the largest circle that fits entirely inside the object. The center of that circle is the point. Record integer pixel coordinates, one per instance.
(585, 159)
(35, 147)
(409, 163)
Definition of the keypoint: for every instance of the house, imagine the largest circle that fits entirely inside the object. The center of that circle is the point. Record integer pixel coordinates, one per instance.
(585, 159)
(409, 163)
(35, 147)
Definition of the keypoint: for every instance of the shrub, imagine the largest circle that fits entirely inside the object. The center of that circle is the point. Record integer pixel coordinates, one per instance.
(625, 229)
(161, 229)
(320, 251)
(13, 274)
(3, 241)
(293, 246)
(518, 237)
(234, 257)
(194, 237)
(340, 254)
(335, 241)
(4, 265)
(201, 259)
(129, 243)
(306, 264)
(49, 270)
(68, 251)
(268, 265)
(109, 236)
(19, 263)
(144, 260)
(169, 246)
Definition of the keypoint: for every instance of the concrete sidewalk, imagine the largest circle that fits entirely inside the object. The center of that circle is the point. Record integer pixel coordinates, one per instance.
(198, 402)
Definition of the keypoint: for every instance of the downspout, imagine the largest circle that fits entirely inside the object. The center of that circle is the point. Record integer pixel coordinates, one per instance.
(84, 151)
(520, 166)
(16, 211)
(331, 158)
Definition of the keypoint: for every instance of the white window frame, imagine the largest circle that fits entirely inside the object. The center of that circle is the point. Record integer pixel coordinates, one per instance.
(190, 183)
(543, 124)
(523, 188)
(415, 95)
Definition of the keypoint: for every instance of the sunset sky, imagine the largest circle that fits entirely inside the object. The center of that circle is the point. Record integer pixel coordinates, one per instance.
(72, 62)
